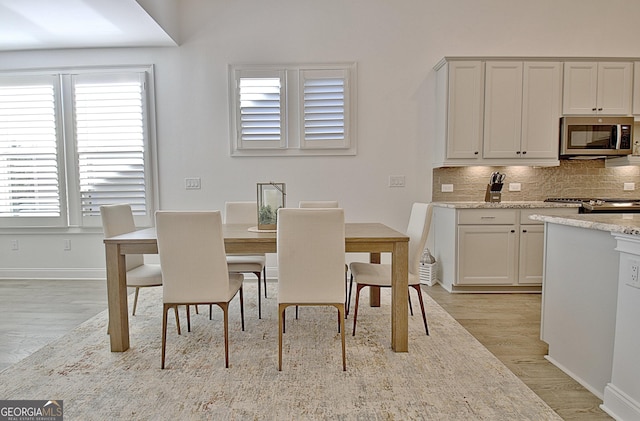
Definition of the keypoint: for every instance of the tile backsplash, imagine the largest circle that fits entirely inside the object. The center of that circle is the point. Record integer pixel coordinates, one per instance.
(573, 178)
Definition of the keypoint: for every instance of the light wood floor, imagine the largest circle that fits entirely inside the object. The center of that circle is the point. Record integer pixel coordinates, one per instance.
(36, 312)
(508, 325)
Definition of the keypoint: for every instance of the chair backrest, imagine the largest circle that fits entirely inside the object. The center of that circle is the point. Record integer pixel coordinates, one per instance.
(192, 256)
(310, 255)
(116, 220)
(318, 204)
(241, 213)
(418, 230)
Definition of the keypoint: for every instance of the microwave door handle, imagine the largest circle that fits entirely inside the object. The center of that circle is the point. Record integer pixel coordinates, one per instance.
(614, 141)
(618, 136)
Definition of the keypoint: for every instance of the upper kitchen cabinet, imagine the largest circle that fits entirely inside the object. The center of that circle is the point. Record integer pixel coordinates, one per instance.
(636, 88)
(459, 119)
(497, 112)
(522, 110)
(597, 88)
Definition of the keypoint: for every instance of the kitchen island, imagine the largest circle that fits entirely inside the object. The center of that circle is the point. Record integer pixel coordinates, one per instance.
(591, 304)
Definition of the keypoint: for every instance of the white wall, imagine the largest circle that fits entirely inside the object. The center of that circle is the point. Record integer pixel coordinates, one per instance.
(395, 44)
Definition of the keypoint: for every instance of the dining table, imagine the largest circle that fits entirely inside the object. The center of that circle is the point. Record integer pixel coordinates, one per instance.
(360, 237)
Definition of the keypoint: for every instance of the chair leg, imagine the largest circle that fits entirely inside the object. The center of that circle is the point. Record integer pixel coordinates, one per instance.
(281, 310)
(355, 310)
(242, 307)
(135, 301)
(410, 306)
(259, 296)
(344, 355)
(165, 311)
(175, 309)
(349, 296)
(264, 280)
(346, 282)
(188, 319)
(225, 315)
(424, 316)
(210, 311)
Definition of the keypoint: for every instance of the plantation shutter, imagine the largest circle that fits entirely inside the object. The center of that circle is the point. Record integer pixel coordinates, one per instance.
(110, 140)
(29, 149)
(260, 117)
(324, 114)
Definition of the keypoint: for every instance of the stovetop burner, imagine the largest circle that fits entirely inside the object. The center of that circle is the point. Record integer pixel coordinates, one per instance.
(601, 205)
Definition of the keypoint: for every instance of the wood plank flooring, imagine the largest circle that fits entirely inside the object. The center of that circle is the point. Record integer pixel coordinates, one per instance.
(508, 325)
(36, 312)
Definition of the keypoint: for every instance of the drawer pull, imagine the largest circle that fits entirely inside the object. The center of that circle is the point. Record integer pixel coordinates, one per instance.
(487, 217)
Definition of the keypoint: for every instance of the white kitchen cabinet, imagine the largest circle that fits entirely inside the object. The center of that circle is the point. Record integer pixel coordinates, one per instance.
(489, 249)
(486, 254)
(530, 254)
(522, 110)
(636, 87)
(502, 109)
(460, 97)
(597, 88)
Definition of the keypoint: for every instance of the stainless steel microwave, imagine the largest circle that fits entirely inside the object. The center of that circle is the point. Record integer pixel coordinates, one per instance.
(604, 136)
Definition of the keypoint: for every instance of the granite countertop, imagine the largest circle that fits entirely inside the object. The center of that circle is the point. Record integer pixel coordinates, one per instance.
(505, 205)
(623, 223)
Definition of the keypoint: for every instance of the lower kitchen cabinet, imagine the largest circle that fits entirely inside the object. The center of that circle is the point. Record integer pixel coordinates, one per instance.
(490, 250)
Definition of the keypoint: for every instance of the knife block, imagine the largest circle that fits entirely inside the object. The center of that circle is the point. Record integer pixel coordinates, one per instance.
(492, 195)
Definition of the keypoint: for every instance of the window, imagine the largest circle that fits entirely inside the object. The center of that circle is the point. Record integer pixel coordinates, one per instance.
(293, 110)
(71, 142)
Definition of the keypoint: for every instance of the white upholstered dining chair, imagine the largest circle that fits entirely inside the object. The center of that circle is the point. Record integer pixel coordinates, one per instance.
(327, 204)
(117, 220)
(310, 263)
(246, 213)
(379, 275)
(194, 265)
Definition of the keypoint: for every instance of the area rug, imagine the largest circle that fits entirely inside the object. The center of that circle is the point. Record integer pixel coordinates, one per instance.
(448, 375)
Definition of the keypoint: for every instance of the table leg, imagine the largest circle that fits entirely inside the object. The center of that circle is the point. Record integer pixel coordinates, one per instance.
(117, 298)
(399, 297)
(374, 292)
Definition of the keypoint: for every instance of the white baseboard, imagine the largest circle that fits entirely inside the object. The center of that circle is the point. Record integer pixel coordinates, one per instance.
(54, 273)
(619, 405)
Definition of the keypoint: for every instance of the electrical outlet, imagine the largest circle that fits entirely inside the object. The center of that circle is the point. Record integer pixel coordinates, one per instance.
(447, 188)
(67, 245)
(396, 181)
(15, 245)
(629, 186)
(515, 186)
(634, 269)
(192, 183)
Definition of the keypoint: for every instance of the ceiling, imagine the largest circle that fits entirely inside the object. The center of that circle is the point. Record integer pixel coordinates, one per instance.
(55, 24)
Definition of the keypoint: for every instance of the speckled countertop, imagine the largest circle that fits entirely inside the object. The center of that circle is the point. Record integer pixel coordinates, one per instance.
(623, 223)
(505, 205)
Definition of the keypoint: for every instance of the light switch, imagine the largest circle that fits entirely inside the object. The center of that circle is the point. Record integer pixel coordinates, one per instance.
(447, 188)
(396, 181)
(629, 186)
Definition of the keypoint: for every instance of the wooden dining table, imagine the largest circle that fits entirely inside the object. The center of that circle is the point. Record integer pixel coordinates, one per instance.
(372, 238)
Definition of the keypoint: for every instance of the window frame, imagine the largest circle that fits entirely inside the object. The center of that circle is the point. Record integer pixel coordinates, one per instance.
(68, 168)
(293, 142)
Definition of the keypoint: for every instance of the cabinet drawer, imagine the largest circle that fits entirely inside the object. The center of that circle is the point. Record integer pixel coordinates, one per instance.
(487, 217)
(524, 214)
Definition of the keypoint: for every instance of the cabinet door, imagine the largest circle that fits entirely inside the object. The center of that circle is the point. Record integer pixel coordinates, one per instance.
(464, 119)
(541, 109)
(531, 254)
(502, 109)
(614, 88)
(486, 255)
(636, 87)
(580, 88)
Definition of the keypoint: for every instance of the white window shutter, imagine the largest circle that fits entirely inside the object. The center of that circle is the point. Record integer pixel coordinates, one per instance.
(110, 139)
(325, 109)
(29, 171)
(260, 117)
